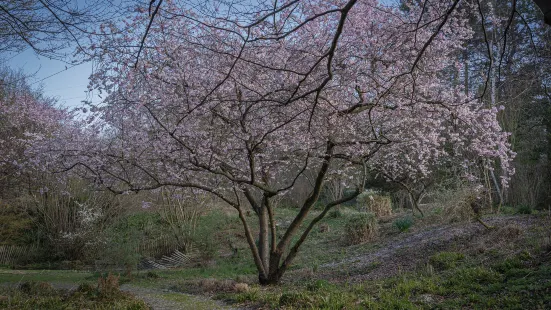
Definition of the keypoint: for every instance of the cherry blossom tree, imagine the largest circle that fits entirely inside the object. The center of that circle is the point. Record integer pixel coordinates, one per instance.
(244, 103)
(26, 117)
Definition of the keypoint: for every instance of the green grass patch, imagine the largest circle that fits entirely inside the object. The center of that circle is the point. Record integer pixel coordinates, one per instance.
(522, 282)
(404, 224)
(191, 302)
(446, 260)
(65, 276)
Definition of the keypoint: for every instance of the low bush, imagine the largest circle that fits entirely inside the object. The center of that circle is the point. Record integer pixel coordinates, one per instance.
(108, 287)
(41, 295)
(524, 209)
(36, 288)
(361, 228)
(375, 203)
(403, 224)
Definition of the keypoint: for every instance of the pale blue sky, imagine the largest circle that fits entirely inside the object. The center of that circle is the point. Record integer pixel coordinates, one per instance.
(69, 85)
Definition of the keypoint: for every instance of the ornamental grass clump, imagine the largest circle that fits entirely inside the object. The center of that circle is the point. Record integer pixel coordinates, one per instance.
(403, 224)
(375, 203)
(361, 228)
(108, 287)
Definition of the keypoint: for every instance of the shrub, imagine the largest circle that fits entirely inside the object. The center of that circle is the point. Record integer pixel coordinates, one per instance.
(67, 218)
(108, 287)
(375, 203)
(181, 212)
(36, 288)
(403, 224)
(460, 202)
(86, 288)
(16, 225)
(210, 285)
(247, 296)
(361, 228)
(124, 241)
(524, 209)
(207, 236)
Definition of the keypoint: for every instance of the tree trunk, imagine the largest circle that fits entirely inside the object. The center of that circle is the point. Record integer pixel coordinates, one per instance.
(271, 279)
(263, 235)
(415, 203)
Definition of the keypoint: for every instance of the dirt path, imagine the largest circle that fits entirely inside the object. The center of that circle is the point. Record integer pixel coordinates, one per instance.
(406, 252)
(166, 300)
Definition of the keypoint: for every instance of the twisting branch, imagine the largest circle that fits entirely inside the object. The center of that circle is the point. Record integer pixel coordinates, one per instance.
(429, 41)
(509, 22)
(483, 21)
(147, 29)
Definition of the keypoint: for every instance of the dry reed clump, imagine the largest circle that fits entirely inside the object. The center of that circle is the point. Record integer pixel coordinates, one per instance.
(459, 204)
(361, 228)
(108, 287)
(375, 203)
(241, 287)
(215, 285)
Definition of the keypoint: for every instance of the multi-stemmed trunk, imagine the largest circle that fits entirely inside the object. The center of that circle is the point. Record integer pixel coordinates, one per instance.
(273, 255)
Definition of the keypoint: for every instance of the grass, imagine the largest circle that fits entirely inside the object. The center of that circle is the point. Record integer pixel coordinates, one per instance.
(222, 269)
(191, 302)
(41, 295)
(65, 276)
(517, 283)
(403, 224)
(446, 260)
(461, 276)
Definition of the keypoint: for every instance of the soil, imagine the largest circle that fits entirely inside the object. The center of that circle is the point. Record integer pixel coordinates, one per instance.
(167, 300)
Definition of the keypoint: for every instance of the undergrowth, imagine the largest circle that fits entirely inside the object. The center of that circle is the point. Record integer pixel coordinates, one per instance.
(41, 295)
(456, 282)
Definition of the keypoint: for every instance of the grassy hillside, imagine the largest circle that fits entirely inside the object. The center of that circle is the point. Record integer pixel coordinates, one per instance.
(435, 262)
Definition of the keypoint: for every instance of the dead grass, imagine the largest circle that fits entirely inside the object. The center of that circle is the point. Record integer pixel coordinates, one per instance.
(361, 228)
(379, 205)
(211, 286)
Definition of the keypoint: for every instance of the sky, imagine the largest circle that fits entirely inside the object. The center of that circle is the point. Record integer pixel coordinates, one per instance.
(59, 80)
